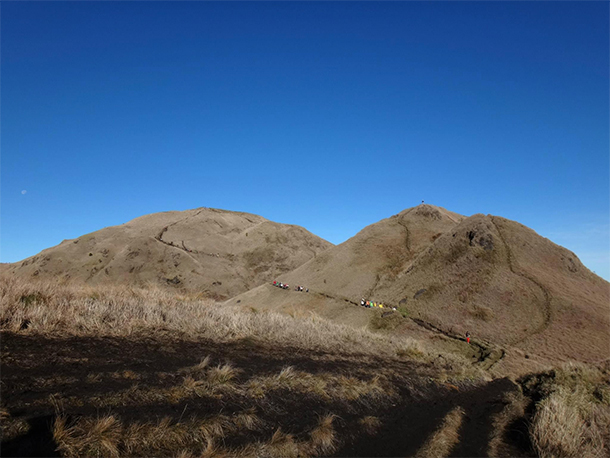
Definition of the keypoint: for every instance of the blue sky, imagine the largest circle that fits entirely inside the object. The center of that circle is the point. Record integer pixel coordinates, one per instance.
(329, 115)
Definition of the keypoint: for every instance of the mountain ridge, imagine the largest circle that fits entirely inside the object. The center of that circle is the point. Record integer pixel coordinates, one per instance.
(493, 277)
(218, 252)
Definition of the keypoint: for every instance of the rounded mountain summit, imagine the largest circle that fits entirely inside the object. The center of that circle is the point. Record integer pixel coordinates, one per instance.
(499, 280)
(216, 252)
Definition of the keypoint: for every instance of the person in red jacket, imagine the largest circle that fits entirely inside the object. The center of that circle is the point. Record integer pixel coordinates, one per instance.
(467, 337)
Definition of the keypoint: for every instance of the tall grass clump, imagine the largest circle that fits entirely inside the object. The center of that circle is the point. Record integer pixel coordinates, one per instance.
(572, 415)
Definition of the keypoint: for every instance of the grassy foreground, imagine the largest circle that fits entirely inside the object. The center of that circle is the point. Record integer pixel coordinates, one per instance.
(142, 371)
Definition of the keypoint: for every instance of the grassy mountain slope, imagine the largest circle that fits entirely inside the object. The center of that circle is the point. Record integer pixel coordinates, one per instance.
(499, 280)
(216, 252)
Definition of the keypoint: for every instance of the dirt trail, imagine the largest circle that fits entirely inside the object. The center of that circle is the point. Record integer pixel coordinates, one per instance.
(371, 291)
(487, 355)
(183, 247)
(546, 306)
(408, 234)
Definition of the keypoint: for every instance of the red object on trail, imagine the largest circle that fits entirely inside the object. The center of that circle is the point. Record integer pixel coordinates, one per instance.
(468, 339)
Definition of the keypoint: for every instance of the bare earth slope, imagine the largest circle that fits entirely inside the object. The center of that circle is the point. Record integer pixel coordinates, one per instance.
(217, 252)
(508, 286)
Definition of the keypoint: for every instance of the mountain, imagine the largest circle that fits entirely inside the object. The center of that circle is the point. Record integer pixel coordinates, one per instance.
(499, 280)
(219, 253)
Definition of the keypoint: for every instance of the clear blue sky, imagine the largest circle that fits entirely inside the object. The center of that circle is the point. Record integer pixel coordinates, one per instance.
(329, 115)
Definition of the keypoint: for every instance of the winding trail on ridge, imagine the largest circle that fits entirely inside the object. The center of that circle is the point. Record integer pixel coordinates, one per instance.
(546, 306)
(159, 238)
(402, 224)
(408, 234)
(487, 355)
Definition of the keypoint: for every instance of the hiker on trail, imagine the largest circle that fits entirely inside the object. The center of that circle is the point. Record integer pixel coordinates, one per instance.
(307, 290)
(467, 337)
(380, 306)
(274, 283)
(362, 302)
(367, 304)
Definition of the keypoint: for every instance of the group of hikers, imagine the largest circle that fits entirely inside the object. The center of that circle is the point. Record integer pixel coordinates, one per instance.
(279, 284)
(371, 304)
(363, 301)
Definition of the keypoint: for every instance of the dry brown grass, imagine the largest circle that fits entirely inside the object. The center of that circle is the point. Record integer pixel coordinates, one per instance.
(207, 381)
(370, 424)
(482, 312)
(385, 320)
(514, 409)
(106, 436)
(442, 441)
(323, 437)
(88, 437)
(11, 427)
(322, 441)
(324, 385)
(129, 312)
(453, 368)
(65, 310)
(412, 348)
(573, 418)
(218, 382)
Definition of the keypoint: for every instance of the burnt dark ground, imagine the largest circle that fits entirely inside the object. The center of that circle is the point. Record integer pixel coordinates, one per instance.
(34, 368)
